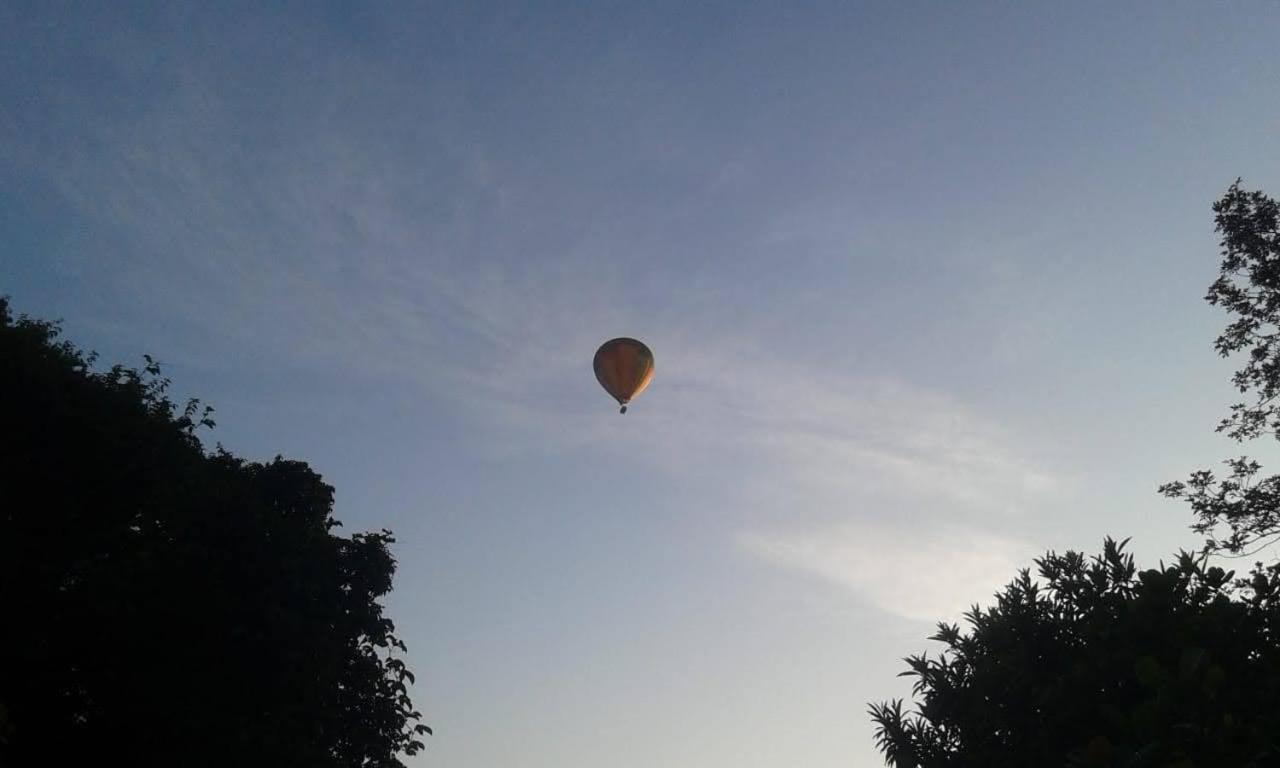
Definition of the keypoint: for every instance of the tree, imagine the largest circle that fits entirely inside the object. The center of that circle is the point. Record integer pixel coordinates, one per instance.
(167, 604)
(1101, 665)
(1242, 511)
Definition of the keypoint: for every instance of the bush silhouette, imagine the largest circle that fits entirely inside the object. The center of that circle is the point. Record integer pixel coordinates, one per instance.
(166, 604)
(1101, 665)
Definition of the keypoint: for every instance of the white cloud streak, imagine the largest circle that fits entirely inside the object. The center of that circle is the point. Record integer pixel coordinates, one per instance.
(917, 573)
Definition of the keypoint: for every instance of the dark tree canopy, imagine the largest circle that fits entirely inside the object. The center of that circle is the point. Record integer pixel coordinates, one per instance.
(1101, 666)
(167, 605)
(1097, 664)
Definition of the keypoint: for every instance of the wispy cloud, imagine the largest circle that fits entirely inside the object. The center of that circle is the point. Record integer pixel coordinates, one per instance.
(923, 573)
(902, 496)
(830, 444)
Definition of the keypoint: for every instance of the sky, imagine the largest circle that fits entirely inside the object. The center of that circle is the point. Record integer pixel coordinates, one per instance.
(923, 281)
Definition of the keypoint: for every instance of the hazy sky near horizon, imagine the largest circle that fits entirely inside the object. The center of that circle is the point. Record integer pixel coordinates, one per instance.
(923, 282)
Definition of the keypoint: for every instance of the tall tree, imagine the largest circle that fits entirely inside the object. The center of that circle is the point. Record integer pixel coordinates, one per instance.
(1097, 664)
(1241, 511)
(166, 604)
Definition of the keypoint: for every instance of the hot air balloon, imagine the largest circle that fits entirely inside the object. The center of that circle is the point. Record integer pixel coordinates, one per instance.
(624, 368)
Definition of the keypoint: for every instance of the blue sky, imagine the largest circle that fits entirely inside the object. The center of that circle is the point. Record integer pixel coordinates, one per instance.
(923, 282)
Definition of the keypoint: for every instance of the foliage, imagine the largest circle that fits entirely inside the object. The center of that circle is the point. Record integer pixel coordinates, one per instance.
(164, 604)
(1242, 511)
(1101, 666)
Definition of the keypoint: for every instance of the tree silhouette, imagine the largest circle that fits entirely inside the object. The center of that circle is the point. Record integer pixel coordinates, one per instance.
(165, 604)
(1096, 664)
(1242, 511)
(1101, 666)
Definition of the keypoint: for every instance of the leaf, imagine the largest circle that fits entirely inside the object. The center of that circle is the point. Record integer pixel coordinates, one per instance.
(1149, 672)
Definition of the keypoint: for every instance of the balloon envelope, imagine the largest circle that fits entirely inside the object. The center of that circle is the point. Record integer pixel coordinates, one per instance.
(624, 367)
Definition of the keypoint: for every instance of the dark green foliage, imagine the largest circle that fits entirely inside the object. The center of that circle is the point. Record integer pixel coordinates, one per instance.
(1101, 666)
(167, 605)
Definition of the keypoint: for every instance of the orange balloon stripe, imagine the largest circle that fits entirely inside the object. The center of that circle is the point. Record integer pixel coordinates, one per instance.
(643, 375)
